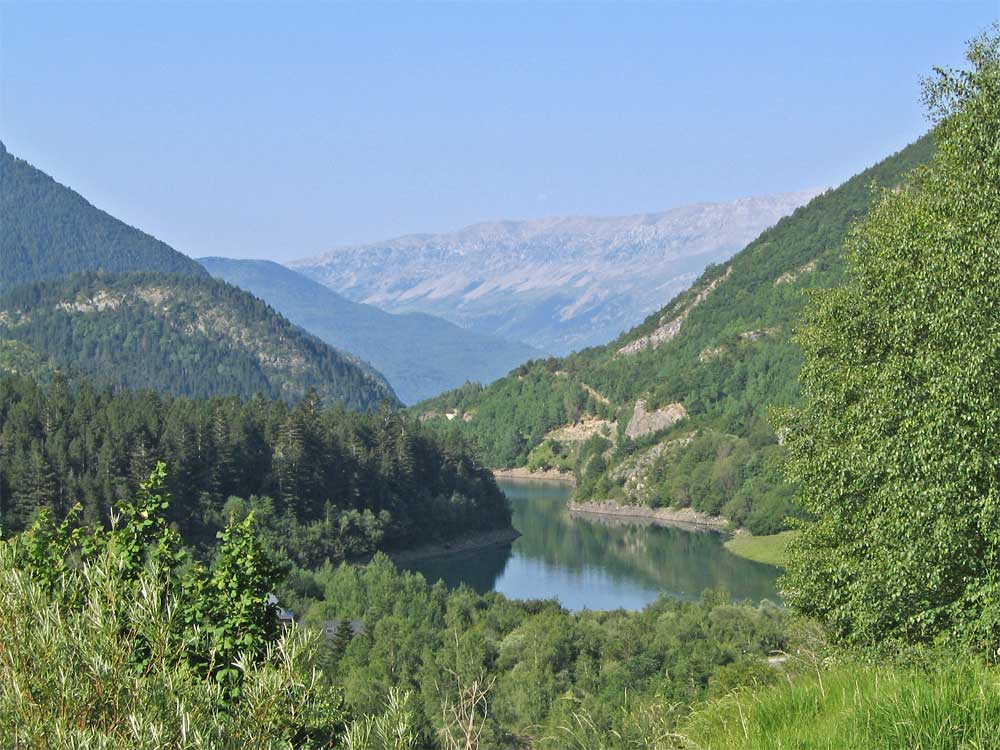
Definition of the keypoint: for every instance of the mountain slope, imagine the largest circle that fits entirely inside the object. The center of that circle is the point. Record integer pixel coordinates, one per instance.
(675, 412)
(421, 355)
(48, 230)
(182, 335)
(559, 283)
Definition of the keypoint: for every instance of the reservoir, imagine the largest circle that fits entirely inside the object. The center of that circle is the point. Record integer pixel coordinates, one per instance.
(598, 562)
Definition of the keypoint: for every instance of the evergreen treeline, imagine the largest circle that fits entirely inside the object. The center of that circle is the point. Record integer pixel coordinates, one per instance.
(183, 335)
(731, 363)
(328, 482)
(48, 230)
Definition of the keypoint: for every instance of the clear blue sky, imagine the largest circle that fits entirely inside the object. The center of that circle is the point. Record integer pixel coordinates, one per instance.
(280, 130)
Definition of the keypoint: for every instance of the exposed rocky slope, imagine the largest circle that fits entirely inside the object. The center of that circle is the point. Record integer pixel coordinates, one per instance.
(559, 283)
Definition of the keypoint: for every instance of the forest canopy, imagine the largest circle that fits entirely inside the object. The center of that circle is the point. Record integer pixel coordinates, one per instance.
(331, 483)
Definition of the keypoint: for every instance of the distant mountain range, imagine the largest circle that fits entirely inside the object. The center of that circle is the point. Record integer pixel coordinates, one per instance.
(558, 284)
(83, 292)
(420, 354)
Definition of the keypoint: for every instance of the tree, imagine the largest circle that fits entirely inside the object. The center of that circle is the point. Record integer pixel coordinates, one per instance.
(896, 446)
(342, 635)
(37, 483)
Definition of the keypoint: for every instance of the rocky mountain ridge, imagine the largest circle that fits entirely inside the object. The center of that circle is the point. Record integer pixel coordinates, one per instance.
(558, 283)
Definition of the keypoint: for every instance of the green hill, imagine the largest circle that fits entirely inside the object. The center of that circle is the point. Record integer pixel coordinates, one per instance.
(675, 411)
(182, 335)
(421, 355)
(47, 230)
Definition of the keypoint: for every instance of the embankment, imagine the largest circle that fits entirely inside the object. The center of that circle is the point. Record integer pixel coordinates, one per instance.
(495, 538)
(522, 472)
(683, 517)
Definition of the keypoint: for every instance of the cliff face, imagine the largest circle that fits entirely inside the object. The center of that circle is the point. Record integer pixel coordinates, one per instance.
(558, 284)
(645, 422)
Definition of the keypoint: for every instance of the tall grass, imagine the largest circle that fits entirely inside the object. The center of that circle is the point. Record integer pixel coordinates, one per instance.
(70, 676)
(951, 704)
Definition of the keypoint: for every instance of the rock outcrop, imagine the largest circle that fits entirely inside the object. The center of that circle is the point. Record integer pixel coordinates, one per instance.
(583, 430)
(789, 276)
(645, 422)
(667, 330)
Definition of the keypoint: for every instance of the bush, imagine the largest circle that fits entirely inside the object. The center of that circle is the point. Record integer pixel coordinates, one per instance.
(116, 639)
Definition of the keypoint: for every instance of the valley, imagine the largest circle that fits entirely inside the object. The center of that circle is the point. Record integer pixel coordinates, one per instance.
(421, 355)
(676, 413)
(721, 477)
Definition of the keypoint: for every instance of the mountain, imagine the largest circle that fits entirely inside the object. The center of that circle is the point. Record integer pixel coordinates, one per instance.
(182, 335)
(47, 230)
(83, 292)
(558, 284)
(676, 411)
(421, 355)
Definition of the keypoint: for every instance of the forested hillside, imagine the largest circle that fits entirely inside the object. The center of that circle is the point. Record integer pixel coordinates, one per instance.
(48, 230)
(327, 482)
(421, 355)
(180, 335)
(675, 412)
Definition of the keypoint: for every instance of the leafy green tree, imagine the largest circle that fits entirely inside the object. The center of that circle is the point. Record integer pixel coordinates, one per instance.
(895, 449)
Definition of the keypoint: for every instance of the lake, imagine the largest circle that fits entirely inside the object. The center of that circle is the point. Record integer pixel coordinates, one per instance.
(598, 562)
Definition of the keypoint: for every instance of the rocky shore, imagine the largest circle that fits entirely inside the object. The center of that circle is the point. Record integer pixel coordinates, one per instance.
(495, 538)
(681, 517)
(521, 472)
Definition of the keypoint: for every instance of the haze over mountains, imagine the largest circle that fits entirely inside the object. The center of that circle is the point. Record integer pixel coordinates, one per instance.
(421, 355)
(560, 283)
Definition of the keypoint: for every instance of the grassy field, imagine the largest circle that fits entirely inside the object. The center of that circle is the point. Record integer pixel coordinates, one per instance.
(954, 705)
(771, 549)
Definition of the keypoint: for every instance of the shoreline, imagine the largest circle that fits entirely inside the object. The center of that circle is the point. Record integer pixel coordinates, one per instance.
(549, 475)
(679, 517)
(465, 543)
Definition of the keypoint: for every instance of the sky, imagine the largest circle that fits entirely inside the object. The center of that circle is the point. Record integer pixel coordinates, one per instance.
(282, 130)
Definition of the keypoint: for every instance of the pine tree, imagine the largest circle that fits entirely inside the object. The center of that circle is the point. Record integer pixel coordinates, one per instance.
(36, 486)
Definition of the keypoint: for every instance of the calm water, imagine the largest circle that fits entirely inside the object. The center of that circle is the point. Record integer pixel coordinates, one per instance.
(596, 562)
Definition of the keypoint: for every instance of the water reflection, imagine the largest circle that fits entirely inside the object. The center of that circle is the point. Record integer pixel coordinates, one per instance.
(598, 562)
